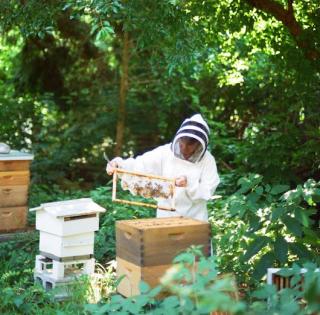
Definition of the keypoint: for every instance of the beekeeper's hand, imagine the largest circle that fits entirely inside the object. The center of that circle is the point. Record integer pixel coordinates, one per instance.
(111, 166)
(181, 181)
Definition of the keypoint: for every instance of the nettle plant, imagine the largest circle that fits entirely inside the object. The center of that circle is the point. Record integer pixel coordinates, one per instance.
(262, 226)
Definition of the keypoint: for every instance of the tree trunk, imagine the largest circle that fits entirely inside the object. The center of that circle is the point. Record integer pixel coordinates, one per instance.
(124, 75)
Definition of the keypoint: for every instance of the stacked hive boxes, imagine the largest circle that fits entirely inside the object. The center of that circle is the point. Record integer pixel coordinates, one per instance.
(14, 184)
(145, 248)
(66, 241)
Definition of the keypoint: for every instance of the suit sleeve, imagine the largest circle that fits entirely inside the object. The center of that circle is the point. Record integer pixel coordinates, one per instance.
(206, 186)
(149, 162)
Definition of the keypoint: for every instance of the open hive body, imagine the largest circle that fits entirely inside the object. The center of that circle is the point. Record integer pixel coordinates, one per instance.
(14, 184)
(145, 248)
(66, 240)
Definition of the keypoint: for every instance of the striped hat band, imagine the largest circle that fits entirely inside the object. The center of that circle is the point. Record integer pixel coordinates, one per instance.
(196, 124)
(193, 132)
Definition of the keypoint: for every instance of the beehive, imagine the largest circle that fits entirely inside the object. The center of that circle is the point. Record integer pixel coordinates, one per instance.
(145, 248)
(67, 228)
(282, 282)
(14, 184)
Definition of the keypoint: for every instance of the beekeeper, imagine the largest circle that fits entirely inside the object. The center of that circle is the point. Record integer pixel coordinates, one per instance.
(188, 161)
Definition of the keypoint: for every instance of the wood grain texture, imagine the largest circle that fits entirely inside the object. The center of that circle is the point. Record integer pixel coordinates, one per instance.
(133, 274)
(14, 165)
(12, 218)
(13, 196)
(14, 178)
(151, 242)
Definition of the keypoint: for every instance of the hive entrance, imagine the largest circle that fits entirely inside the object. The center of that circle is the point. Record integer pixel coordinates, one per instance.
(144, 185)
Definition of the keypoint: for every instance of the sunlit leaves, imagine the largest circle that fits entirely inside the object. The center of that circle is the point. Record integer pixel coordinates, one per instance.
(262, 265)
(293, 225)
(279, 226)
(301, 251)
(259, 243)
(277, 213)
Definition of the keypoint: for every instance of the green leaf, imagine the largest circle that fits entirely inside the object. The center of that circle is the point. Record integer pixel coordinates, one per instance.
(259, 190)
(294, 196)
(185, 257)
(18, 301)
(316, 196)
(301, 215)
(117, 299)
(301, 251)
(247, 183)
(237, 207)
(265, 292)
(292, 225)
(260, 269)
(255, 223)
(267, 188)
(141, 300)
(279, 189)
(155, 291)
(171, 302)
(281, 249)
(259, 243)
(277, 213)
(253, 197)
(285, 272)
(144, 287)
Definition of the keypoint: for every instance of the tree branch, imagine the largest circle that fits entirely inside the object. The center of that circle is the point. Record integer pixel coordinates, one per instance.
(286, 16)
(290, 7)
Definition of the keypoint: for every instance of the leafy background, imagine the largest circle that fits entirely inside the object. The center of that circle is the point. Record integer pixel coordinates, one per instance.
(82, 78)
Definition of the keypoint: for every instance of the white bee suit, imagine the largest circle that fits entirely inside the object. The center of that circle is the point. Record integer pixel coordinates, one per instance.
(202, 176)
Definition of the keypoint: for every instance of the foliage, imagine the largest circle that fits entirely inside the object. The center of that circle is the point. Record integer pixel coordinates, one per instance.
(253, 77)
(242, 227)
(262, 225)
(236, 65)
(188, 287)
(27, 297)
(195, 287)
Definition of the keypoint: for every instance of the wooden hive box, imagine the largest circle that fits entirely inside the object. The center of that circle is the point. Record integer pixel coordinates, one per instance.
(14, 185)
(145, 248)
(281, 282)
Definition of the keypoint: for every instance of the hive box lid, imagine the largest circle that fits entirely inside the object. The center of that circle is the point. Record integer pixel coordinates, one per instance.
(15, 155)
(158, 223)
(70, 207)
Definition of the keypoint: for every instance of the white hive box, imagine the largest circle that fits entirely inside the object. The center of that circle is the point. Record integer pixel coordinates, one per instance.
(67, 227)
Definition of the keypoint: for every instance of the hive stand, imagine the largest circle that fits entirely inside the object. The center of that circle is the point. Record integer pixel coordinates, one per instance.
(59, 270)
(63, 288)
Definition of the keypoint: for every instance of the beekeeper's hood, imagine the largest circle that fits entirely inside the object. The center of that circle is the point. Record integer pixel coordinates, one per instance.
(196, 128)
